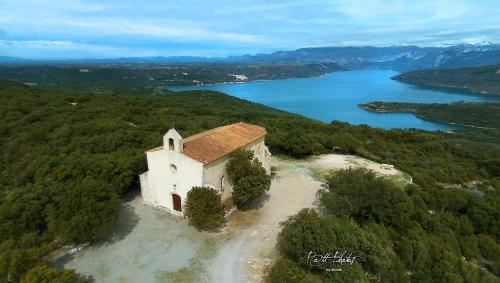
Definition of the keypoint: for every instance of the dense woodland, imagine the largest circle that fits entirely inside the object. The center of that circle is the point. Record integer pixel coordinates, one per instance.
(482, 79)
(67, 158)
(416, 234)
(153, 78)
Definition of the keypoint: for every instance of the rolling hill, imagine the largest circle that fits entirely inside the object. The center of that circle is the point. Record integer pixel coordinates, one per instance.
(482, 79)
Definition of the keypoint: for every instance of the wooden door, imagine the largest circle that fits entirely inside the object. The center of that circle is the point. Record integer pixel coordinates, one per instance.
(177, 202)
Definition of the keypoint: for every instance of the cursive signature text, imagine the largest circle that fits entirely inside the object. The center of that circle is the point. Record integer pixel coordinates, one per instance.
(338, 257)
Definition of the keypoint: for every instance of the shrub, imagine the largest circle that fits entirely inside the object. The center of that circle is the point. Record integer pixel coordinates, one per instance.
(308, 231)
(247, 176)
(490, 250)
(84, 212)
(45, 274)
(285, 270)
(359, 193)
(204, 208)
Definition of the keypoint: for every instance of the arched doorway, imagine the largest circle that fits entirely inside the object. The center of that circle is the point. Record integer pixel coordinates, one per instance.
(176, 199)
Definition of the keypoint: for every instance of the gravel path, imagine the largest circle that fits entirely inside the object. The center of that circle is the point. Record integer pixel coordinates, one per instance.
(248, 255)
(148, 245)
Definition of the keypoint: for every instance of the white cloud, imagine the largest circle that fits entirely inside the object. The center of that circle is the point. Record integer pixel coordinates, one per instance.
(179, 30)
(366, 10)
(224, 26)
(55, 49)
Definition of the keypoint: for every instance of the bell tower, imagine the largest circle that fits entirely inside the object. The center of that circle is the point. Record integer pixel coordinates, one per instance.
(172, 141)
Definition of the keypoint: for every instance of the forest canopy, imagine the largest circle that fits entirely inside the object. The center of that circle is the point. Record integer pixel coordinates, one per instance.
(67, 158)
(479, 79)
(415, 234)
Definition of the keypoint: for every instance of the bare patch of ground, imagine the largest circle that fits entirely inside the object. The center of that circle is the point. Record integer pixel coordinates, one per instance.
(321, 165)
(250, 250)
(252, 235)
(157, 248)
(150, 245)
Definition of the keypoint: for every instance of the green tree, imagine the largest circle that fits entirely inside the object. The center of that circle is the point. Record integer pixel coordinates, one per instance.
(204, 208)
(359, 193)
(345, 141)
(285, 270)
(17, 257)
(247, 176)
(490, 250)
(309, 231)
(45, 274)
(83, 212)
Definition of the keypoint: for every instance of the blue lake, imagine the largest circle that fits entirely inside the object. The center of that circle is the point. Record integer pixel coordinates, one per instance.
(336, 96)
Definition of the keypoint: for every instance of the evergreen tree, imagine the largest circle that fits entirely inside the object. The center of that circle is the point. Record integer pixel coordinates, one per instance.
(247, 176)
(203, 208)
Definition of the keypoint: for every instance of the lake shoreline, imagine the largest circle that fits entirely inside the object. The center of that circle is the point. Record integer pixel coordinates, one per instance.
(411, 111)
(251, 81)
(366, 107)
(465, 90)
(336, 95)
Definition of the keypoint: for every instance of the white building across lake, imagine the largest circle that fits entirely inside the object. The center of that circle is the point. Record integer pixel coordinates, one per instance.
(200, 160)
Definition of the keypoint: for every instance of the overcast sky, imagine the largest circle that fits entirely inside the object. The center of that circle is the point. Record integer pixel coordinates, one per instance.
(128, 28)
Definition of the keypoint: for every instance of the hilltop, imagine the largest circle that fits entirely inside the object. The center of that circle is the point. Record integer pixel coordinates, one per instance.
(469, 114)
(482, 79)
(67, 159)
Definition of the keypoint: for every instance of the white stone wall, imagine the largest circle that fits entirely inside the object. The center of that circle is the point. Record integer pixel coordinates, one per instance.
(170, 171)
(212, 175)
(162, 180)
(213, 172)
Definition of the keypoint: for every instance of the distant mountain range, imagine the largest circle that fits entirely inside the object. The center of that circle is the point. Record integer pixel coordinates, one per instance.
(399, 58)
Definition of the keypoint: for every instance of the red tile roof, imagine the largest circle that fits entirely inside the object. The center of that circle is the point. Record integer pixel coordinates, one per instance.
(213, 144)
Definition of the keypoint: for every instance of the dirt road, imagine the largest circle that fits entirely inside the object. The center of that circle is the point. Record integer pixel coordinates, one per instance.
(250, 251)
(248, 254)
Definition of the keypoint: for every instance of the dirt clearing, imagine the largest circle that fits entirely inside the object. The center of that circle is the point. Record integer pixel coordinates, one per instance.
(149, 245)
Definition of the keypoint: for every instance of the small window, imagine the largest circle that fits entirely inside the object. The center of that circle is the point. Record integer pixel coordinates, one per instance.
(222, 183)
(171, 145)
(173, 168)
